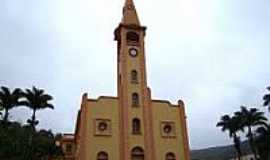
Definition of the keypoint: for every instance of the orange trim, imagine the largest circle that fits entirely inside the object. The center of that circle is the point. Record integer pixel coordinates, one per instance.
(165, 101)
(101, 97)
(144, 97)
(153, 149)
(125, 108)
(119, 84)
(184, 130)
(77, 129)
(147, 112)
(78, 121)
(122, 94)
(83, 129)
(135, 27)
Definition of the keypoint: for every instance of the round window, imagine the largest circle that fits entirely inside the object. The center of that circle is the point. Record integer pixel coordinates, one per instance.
(167, 128)
(102, 126)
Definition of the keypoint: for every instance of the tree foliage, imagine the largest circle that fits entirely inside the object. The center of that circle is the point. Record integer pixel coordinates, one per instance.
(251, 118)
(14, 143)
(262, 141)
(9, 99)
(36, 99)
(257, 130)
(266, 99)
(24, 142)
(232, 125)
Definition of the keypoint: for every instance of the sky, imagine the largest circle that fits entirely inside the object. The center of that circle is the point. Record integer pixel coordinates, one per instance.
(214, 54)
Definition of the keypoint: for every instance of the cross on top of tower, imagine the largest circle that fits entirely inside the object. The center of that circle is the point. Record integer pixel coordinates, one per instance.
(130, 16)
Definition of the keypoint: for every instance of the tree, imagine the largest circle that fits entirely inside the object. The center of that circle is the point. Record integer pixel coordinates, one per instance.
(251, 118)
(9, 100)
(36, 100)
(232, 125)
(45, 145)
(262, 141)
(14, 143)
(266, 99)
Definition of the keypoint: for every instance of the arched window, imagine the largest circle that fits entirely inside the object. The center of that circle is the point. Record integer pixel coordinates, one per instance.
(136, 126)
(170, 156)
(135, 99)
(137, 154)
(134, 76)
(102, 156)
(132, 37)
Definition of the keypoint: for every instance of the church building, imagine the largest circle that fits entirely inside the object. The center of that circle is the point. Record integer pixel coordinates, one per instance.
(131, 126)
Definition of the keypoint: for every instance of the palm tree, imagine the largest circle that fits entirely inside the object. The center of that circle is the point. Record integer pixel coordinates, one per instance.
(232, 125)
(262, 141)
(36, 100)
(251, 118)
(266, 99)
(9, 100)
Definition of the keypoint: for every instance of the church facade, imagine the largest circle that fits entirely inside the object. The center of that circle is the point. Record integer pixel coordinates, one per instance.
(131, 126)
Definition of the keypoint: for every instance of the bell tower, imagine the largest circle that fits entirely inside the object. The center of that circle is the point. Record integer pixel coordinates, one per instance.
(132, 84)
(130, 49)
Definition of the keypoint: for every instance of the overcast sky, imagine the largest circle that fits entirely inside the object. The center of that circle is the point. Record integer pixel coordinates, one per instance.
(213, 54)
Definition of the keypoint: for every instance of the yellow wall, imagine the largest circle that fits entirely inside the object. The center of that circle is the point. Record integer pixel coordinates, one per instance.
(163, 111)
(106, 108)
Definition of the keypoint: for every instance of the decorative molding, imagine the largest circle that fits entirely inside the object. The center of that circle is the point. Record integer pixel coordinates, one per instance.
(106, 130)
(168, 129)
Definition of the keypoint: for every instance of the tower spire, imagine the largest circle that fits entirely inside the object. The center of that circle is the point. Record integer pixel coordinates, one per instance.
(130, 14)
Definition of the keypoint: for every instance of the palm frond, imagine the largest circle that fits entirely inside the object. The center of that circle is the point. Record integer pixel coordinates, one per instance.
(260, 123)
(225, 118)
(219, 124)
(17, 91)
(50, 106)
(266, 99)
(253, 110)
(37, 91)
(46, 97)
(5, 90)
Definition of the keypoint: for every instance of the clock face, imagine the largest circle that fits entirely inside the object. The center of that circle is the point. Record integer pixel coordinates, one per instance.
(133, 52)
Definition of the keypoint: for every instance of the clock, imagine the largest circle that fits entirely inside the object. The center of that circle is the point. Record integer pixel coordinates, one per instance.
(133, 52)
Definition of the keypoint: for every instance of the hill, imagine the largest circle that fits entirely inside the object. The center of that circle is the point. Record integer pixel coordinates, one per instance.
(218, 153)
